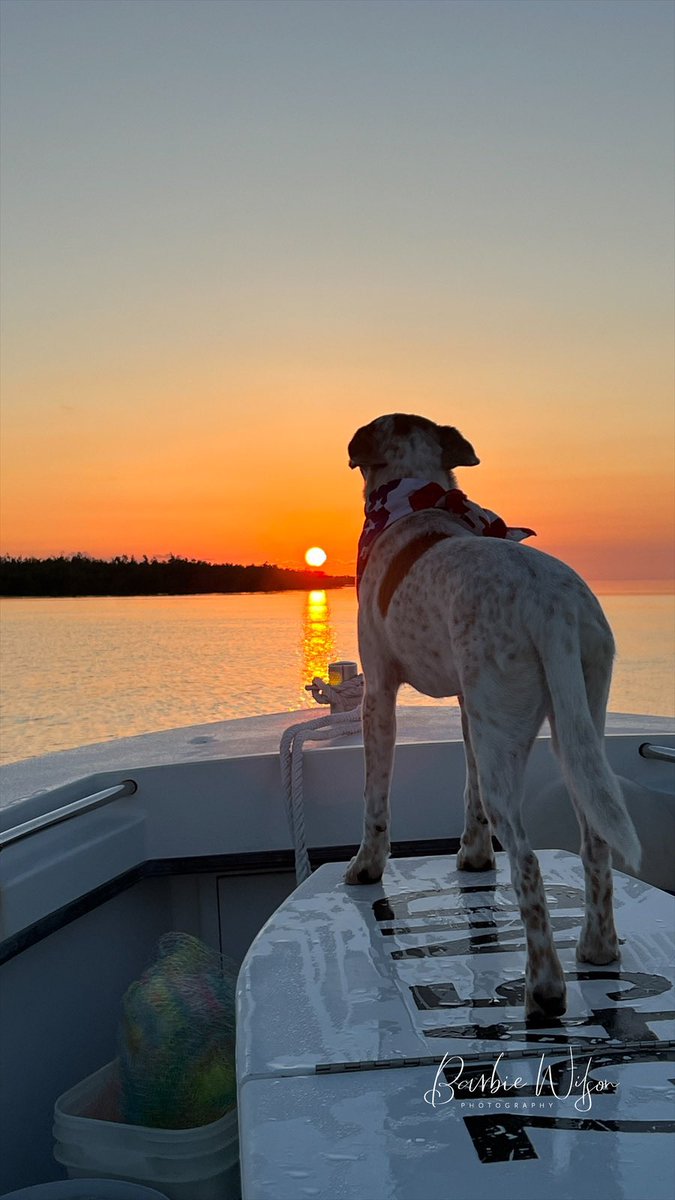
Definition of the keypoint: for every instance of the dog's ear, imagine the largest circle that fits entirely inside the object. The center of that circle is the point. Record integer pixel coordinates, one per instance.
(362, 449)
(457, 452)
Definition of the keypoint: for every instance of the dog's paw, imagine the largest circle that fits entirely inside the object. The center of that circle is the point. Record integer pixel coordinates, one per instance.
(467, 861)
(545, 1000)
(365, 868)
(592, 948)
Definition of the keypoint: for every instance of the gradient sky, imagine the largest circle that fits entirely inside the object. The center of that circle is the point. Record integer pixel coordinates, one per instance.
(234, 232)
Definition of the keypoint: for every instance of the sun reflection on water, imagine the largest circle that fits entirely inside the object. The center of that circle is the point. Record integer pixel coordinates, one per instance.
(318, 638)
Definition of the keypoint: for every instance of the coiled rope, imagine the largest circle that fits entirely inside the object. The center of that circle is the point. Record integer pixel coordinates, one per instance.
(345, 700)
(341, 696)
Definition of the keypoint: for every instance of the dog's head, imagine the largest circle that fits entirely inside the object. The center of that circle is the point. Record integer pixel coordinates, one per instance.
(400, 445)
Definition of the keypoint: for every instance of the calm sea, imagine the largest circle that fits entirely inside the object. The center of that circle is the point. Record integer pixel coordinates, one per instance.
(76, 671)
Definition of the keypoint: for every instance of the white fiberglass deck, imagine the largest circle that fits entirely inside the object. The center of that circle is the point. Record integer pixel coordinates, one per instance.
(247, 736)
(350, 997)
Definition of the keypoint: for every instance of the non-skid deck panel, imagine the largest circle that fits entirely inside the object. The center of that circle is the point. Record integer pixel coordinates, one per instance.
(426, 970)
(432, 960)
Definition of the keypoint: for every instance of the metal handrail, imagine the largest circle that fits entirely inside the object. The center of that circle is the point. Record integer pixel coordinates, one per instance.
(664, 753)
(18, 832)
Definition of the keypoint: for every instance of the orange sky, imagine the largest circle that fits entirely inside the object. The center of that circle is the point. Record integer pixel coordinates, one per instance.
(209, 282)
(256, 468)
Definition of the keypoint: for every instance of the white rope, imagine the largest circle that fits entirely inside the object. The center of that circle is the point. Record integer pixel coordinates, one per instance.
(341, 697)
(335, 724)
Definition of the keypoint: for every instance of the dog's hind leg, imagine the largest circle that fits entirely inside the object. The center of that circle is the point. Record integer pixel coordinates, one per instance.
(501, 742)
(475, 851)
(379, 738)
(598, 941)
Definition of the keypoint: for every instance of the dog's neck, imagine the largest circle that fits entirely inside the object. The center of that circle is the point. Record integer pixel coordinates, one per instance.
(399, 498)
(378, 477)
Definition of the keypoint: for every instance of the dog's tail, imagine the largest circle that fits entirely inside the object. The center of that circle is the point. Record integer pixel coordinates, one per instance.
(579, 745)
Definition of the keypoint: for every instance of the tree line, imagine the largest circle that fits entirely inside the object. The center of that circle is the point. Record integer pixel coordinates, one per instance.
(81, 575)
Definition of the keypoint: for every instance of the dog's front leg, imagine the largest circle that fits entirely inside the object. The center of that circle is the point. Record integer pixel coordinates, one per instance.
(379, 738)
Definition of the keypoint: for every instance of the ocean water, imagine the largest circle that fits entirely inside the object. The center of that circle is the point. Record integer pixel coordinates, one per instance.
(76, 671)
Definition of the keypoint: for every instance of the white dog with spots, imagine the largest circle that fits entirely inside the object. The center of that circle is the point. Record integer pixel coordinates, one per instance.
(519, 637)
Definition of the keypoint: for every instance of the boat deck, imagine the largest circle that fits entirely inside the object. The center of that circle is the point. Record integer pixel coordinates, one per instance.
(247, 736)
(382, 1048)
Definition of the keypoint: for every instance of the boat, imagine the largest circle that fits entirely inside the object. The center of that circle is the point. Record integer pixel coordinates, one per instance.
(367, 1017)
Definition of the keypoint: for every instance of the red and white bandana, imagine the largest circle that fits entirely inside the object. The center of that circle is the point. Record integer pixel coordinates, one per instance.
(402, 497)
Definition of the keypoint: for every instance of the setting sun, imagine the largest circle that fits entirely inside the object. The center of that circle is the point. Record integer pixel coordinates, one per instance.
(315, 556)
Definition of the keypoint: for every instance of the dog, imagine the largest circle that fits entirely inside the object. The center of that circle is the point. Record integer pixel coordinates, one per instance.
(518, 636)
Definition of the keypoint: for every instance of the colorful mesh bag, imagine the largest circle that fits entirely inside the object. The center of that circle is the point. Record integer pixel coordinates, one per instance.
(176, 1038)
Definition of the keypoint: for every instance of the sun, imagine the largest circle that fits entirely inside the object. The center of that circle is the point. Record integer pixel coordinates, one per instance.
(315, 556)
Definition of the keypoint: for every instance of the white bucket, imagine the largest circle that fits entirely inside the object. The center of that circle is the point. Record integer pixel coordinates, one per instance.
(183, 1164)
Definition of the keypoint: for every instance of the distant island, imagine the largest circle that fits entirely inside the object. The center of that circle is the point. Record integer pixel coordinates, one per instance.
(80, 575)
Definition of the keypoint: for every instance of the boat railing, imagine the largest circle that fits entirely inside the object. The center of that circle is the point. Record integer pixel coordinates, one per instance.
(663, 753)
(75, 809)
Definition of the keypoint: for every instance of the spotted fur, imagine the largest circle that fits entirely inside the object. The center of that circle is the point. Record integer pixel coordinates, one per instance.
(520, 637)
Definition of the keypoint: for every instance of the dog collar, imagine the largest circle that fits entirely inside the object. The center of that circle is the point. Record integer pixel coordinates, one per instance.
(402, 497)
